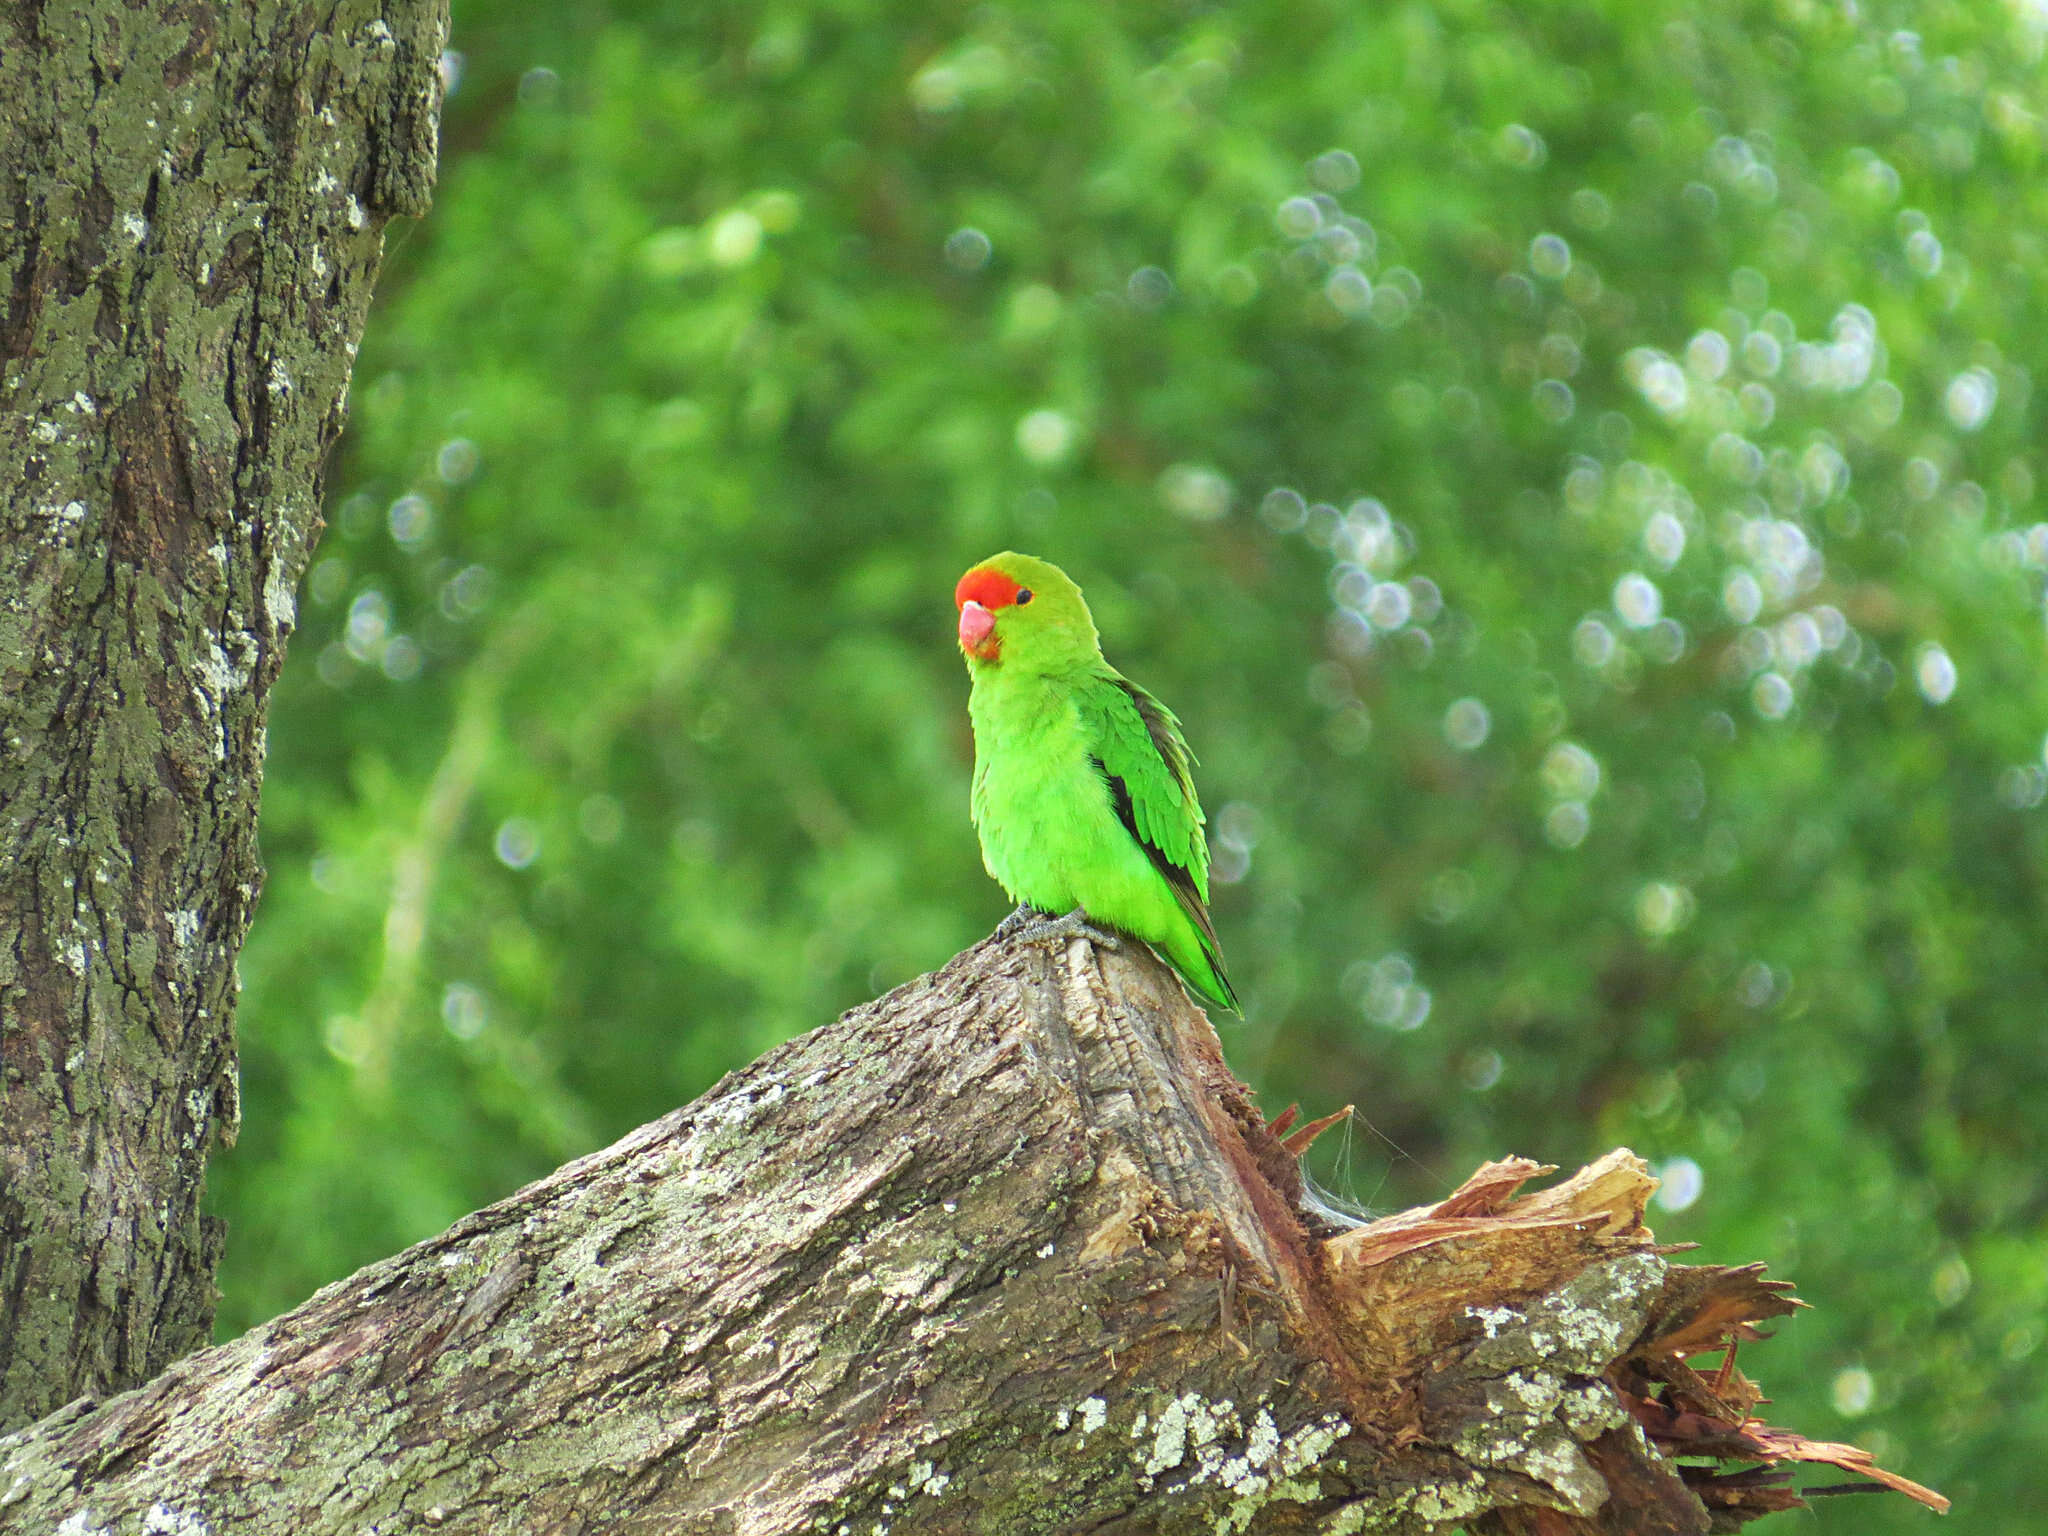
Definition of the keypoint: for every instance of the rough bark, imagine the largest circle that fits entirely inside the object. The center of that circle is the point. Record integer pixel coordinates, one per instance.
(1008, 1250)
(192, 201)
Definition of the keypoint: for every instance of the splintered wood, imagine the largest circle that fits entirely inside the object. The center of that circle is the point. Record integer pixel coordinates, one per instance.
(1404, 1287)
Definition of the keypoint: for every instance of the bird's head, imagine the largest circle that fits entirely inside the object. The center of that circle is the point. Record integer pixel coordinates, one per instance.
(1023, 614)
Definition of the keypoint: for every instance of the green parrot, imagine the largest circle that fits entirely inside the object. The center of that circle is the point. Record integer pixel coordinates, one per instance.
(1082, 793)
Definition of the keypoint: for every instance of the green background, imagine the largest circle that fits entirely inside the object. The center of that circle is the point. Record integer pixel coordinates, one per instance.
(1571, 468)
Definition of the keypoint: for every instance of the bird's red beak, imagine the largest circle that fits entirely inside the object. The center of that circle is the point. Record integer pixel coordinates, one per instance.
(976, 625)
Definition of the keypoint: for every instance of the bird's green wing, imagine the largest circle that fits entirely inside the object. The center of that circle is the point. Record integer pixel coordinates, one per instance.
(1137, 745)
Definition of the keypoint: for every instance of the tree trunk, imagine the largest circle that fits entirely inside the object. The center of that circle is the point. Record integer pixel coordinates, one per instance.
(1007, 1251)
(192, 202)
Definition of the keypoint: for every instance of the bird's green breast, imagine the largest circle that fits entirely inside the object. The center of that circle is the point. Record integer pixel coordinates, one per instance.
(1049, 829)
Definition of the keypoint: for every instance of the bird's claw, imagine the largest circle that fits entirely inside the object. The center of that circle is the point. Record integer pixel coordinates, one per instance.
(1018, 921)
(1034, 927)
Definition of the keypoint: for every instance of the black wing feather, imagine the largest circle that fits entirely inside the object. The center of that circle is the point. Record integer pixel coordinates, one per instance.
(1173, 751)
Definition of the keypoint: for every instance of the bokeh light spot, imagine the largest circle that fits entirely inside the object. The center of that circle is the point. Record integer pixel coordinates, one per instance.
(1550, 256)
(1681, 1186)
(1934, 670)
(517, 843)
(1852, 1391)
(1467, 724)
(1046, 437)
(967, 249)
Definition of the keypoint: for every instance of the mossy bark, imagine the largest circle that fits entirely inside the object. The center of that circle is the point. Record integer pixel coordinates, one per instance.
(1008, 1250)
(193, 195)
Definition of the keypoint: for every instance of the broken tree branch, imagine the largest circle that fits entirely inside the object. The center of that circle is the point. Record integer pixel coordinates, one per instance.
(1006, 1250)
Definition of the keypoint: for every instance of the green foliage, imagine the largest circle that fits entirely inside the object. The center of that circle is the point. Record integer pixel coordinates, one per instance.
(1571, 468)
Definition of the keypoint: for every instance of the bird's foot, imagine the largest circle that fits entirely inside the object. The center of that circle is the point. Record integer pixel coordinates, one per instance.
(1018, 921)
(1037, 928)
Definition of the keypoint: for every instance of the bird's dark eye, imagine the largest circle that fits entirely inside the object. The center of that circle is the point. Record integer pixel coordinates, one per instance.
(1023, 596)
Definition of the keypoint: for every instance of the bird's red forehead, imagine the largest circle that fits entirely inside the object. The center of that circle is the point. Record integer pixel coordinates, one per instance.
(990, 588)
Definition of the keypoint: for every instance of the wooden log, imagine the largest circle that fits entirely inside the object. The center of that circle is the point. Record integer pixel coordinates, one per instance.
(1008, 1250)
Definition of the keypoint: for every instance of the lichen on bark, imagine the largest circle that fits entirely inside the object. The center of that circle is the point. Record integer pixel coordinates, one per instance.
(192, 204)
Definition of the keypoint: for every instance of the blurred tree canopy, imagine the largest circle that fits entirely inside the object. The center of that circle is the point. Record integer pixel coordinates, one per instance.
(1572, 468)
